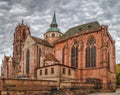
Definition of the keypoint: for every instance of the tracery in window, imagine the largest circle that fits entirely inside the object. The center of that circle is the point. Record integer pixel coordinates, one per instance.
(91, 53)
(74, 56)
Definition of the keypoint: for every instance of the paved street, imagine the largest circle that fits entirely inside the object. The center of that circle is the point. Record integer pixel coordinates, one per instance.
(116, 93)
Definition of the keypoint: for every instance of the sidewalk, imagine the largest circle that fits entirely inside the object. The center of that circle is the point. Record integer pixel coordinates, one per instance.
(114, 93)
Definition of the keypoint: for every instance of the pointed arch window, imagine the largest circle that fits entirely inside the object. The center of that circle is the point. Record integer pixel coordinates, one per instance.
(91, 53)
(74, 56)
(27, 62)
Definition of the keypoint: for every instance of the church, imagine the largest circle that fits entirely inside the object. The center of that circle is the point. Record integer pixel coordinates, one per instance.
(84, 53)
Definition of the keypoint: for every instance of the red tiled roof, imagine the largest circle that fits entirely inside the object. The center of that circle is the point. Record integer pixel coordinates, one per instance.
(50, 57)
(41, 41)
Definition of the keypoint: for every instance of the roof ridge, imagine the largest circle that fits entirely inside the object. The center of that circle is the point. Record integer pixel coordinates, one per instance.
(36, 37)
(81, 28)
(41, 41)
(84, 24)
(51, 57)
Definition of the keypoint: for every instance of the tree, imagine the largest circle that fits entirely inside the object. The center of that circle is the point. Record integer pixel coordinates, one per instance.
(118, 79)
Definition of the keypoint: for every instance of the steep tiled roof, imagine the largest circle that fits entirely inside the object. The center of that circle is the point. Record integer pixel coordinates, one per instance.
(50, 57)
(41, 41)
(81, 29)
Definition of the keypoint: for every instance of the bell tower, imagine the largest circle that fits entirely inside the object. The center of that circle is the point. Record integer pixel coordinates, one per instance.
(53, 33)
(20, 35)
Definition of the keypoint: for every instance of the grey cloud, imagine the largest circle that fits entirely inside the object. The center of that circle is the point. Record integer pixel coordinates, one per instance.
(38, 15)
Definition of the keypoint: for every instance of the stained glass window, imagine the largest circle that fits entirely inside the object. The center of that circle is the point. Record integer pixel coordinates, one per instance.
(74, 56)
(91, 53)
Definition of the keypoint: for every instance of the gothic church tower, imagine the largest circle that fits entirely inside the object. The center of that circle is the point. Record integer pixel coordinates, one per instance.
(20, 35)
(53, 33)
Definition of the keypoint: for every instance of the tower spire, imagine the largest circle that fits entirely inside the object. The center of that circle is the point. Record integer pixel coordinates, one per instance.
(53, 33)
(22, 21)
(53, 25)
(54, 19)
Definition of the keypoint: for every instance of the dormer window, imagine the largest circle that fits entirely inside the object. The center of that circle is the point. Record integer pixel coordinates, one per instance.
(89, 26)
(80, 29)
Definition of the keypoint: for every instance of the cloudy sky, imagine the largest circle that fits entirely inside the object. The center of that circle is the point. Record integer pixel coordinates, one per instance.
(38, 15)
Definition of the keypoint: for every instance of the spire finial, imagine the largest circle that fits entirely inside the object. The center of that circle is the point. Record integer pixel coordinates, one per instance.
(54, 12)
(22, 21)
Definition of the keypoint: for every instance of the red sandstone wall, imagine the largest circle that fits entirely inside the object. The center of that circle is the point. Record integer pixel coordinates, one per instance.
(100, 70)
(34, 57)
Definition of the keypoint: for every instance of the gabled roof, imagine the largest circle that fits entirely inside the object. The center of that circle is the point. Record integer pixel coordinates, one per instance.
(50, 57)
(41, 41)
(81, 29)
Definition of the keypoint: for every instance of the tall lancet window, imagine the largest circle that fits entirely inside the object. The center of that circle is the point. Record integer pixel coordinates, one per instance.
(88, 56)
(23, 34)
(63, 55)
(91, 53)
(39, 55)
(74, 56)
(28, 62)
(108, 59)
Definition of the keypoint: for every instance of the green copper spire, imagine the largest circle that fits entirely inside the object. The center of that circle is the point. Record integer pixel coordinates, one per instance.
(54, 19)
(53, 25)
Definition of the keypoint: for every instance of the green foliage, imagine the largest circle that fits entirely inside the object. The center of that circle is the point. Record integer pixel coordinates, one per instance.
(118, 74)
(118, 68)
(118, 78)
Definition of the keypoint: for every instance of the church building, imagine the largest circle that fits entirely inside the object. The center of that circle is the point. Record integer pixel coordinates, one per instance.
(84, 53)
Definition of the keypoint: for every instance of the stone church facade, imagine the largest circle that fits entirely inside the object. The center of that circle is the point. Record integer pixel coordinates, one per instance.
(82, 54)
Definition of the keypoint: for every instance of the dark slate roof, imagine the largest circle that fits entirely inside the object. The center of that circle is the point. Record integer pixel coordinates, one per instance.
(81, 29)
(50, 57)
(41, 41)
